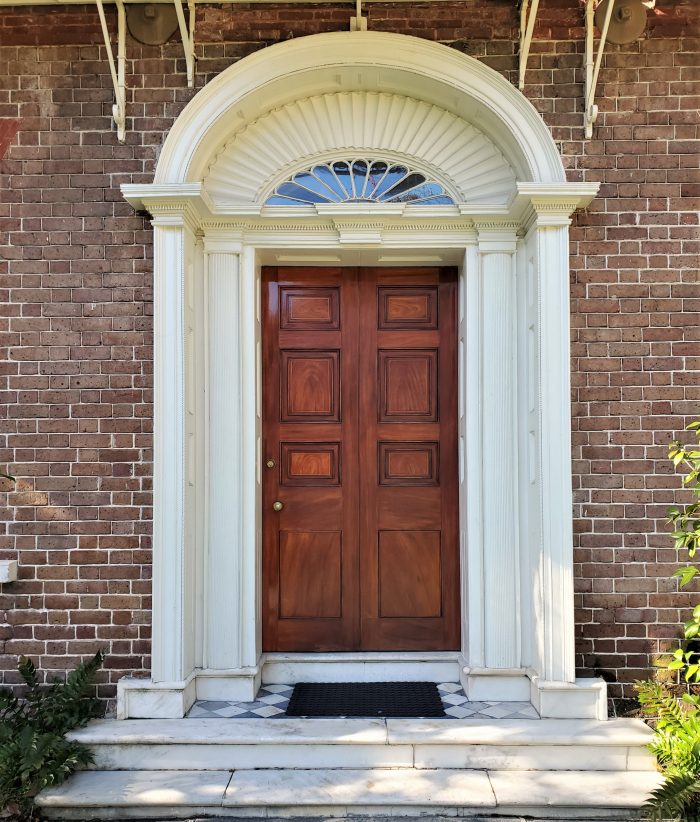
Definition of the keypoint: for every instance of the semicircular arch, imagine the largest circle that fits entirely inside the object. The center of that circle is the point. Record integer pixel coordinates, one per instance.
(347, 62)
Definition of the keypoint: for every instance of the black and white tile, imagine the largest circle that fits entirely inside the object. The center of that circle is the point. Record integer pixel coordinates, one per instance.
(272, 700)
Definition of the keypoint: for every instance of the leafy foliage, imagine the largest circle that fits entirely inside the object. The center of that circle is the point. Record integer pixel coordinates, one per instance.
(34, 752)
(676, 746)
(686, 535)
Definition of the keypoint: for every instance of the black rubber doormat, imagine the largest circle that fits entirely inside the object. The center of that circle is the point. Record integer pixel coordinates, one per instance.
(365, 699)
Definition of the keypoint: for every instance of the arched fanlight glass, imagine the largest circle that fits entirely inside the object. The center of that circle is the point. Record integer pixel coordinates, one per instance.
(359, 181)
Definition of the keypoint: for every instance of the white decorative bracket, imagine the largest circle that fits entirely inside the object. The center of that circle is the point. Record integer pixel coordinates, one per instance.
(118, 71)
(528, 16)
(592, 67)
(358, 22)
(187, 34)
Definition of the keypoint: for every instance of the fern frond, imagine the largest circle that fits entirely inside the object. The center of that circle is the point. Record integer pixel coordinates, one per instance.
(678, 798)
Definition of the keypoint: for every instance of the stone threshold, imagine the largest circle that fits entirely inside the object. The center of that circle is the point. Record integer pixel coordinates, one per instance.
(271, 701)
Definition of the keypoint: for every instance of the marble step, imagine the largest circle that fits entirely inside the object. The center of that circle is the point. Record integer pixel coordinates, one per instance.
(562, 795)
(240, 744)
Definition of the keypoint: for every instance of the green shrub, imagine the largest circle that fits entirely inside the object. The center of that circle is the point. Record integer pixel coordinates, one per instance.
(676, 746)
(34, 752)
(676, 743)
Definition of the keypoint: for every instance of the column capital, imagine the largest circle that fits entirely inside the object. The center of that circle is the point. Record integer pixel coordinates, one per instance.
(223, 241)
(170, 205)
(551, 204)
(495, 237)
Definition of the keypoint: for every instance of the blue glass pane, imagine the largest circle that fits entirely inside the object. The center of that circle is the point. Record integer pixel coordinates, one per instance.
(394, 175)
(326, 176)
(359, 173)
(399, 191)
(418, 192)
(308, 180)
(376, 175)
(344, 175)
(299, 193)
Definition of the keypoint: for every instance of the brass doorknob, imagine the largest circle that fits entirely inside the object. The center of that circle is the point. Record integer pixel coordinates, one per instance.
(277, 506)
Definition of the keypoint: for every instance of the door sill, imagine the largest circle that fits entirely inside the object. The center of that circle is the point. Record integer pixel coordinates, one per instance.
(360, 666)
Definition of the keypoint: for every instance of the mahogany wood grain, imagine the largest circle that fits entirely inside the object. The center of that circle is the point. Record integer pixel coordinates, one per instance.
(360, 418)
(310, 425)
(409, 525)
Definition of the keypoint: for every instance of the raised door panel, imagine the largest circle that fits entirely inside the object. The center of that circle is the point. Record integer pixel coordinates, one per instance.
(408, 463)
(310, 386)
(406, 308)
(309, 309)
(408, 385)
(310, 463)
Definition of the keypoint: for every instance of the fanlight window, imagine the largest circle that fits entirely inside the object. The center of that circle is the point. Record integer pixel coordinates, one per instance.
(359, 181)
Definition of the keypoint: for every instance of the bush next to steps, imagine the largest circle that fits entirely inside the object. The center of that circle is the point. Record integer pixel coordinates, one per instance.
(34, 752)
(676, 744)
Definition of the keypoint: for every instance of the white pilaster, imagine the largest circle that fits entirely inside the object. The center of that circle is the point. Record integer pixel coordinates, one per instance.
(556, 565)
(173, 651)
(499, 448)
(230, 643)
(471, 524)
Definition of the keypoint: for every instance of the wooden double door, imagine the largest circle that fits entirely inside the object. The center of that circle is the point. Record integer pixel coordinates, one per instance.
(360, 495)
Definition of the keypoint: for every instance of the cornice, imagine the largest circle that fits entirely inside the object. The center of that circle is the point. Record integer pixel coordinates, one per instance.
(551, 205)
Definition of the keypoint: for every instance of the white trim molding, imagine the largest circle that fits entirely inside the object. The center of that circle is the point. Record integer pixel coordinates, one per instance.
(514, 412)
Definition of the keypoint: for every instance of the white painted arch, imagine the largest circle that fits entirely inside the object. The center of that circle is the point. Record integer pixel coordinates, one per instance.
(211, 235)
(365, 61)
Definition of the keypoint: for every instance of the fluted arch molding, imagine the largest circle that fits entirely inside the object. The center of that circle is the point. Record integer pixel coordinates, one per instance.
(360, 124)
(346, 62)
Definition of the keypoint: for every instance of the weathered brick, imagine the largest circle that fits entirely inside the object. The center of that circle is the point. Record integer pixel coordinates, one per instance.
(75, 308)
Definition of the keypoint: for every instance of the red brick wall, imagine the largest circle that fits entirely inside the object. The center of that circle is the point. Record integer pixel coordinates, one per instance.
(75, 278)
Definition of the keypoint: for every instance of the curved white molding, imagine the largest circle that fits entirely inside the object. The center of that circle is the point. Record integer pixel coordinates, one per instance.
(267, 151)
(347, 61)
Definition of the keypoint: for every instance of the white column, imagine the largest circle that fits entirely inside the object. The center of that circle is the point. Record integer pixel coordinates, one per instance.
(173, 555)
(223, 641)
(471, 523)
(230, 607)
(556, 565)
(499, 449)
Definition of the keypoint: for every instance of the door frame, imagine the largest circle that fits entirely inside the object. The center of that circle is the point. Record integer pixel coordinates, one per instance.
(487, 259)
(514, 255)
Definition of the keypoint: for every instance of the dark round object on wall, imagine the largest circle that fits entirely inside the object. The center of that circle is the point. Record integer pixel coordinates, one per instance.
(152, 24)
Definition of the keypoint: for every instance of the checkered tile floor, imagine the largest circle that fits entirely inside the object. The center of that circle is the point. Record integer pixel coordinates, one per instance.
(272, 702)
